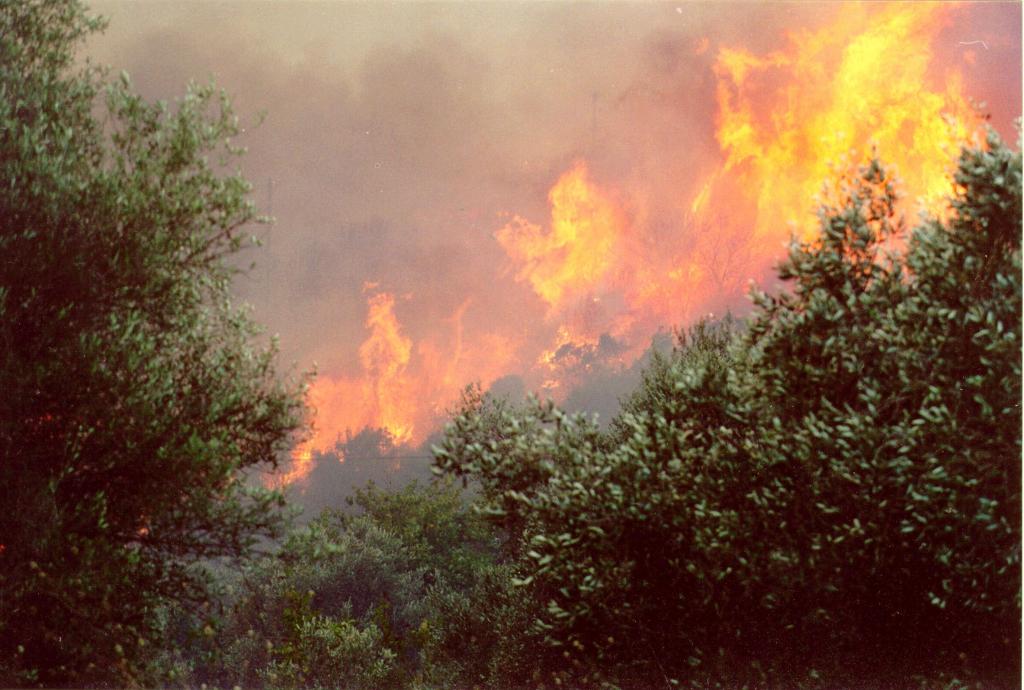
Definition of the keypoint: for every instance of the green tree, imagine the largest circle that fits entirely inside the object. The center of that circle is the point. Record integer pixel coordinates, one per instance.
(890, 386)
(132, 393)
(833, 499)
(615, 532)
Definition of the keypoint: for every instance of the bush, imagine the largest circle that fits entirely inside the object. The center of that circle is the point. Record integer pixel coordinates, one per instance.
(328, 652)
(480, 635)
(610, 523)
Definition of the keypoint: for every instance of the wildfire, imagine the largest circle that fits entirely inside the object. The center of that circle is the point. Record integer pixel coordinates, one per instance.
(787, 121)
(403, 388)
(608, 276)
(385, 357)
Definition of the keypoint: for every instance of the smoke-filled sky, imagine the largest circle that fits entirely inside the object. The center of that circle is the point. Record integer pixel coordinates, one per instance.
(529, 191)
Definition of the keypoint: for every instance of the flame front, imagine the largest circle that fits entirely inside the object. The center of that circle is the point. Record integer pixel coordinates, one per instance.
(403, 388)
(606, 272)
(786, 122)
(385, 357)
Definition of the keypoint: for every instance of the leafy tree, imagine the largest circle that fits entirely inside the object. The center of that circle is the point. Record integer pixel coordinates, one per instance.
(132, 392)
(891, 456)
(611, 527)
(834, 498)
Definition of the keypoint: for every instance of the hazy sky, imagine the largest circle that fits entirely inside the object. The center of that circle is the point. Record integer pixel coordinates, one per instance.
(400, 137)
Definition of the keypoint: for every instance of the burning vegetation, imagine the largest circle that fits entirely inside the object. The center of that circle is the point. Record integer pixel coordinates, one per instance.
(606, 269)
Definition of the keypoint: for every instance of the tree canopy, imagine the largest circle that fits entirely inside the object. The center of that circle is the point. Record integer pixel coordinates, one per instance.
(133, 391)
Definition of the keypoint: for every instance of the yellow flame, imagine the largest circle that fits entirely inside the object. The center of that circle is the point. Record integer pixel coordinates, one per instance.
(573, 257)
(865, 81)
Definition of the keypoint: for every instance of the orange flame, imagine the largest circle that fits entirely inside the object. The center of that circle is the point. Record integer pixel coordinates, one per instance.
(385, 356)
(404, 387)
(787, 121)
(570, 260)
(786, 118)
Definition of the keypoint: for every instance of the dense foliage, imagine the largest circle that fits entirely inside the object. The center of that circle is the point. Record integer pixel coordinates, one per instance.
(831, 497)
(132, 395)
